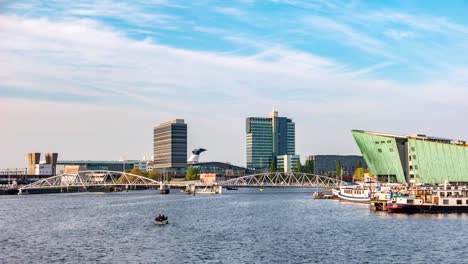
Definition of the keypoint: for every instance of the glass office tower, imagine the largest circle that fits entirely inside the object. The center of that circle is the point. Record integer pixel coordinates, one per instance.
(268, 137)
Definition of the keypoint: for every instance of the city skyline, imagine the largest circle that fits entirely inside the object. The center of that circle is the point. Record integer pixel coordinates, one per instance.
(90, 81)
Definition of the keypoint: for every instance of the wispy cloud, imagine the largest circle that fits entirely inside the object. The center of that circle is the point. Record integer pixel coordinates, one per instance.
(230, 11)
(397, 34)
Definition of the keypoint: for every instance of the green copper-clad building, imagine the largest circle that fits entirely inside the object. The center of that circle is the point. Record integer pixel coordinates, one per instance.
(414, 158)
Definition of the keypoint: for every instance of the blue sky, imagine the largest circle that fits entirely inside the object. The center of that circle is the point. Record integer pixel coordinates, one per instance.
(100, 73)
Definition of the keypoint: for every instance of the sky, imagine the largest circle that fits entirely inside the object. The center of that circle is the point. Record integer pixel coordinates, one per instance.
(90, 80)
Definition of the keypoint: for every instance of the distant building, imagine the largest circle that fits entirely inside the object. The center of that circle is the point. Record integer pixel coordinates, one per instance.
(267, 138)
(326, 164)
(210, 178)
(221, 169)
(34, 160)
(286, 163)
(414, 158)
(170, 145)
(112, 165)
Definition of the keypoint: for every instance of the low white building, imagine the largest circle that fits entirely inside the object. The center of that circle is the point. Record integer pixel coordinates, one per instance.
(286, 163)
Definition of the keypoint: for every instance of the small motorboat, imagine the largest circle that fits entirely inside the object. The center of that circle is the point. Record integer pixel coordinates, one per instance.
(161, 220)
(261, 189)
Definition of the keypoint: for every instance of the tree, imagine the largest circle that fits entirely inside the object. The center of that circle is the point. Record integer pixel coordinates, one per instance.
(308, 167)
(359, 173)
(338, 171)
(154, 175)
(136, 171)
(359, 164)
(298, 166)
(273, 165)
(192, 174)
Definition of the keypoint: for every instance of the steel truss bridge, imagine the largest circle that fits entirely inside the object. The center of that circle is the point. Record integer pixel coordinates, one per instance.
(281, 179)
(87, 179)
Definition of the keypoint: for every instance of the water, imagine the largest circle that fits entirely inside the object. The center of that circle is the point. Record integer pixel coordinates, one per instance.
(244, 226)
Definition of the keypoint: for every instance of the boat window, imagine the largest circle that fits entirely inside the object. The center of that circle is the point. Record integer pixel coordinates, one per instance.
(446, 201)
(409, 201)
(459, 201)
(466, 201)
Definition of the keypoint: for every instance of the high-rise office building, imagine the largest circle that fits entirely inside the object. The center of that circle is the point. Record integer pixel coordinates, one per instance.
(268, 137)
(170, 144)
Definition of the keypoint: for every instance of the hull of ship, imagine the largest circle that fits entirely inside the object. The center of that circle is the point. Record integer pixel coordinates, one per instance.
(353, 199)
(411, 208)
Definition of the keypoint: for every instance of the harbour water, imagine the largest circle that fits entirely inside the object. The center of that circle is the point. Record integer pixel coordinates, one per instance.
(243, 226)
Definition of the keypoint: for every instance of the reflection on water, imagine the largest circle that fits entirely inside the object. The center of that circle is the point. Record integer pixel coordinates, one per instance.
(244, 226)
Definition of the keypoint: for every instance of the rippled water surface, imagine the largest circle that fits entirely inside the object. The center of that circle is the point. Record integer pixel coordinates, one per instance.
(244, 226)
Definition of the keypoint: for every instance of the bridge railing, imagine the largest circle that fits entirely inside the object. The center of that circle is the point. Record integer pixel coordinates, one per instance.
(281, 179)
(91, 179)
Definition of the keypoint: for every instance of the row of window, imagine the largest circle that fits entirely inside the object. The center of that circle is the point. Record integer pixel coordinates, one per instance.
(383, 142)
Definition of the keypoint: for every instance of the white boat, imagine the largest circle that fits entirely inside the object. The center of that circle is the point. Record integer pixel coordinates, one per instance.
(356, 194)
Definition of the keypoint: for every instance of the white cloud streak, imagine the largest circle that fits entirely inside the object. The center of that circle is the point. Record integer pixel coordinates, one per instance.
(141, 83)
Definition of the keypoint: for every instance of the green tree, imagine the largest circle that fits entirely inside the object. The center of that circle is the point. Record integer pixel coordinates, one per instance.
(192, 174)
(298, 166)
(338, 169)
(359, 164)
(308, 167)
(273, 166)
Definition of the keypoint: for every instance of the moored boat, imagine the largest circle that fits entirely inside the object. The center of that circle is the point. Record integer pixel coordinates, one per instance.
(435, 199)
(357, 194)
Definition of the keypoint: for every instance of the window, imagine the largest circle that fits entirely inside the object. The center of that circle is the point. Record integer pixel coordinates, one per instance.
(391, 150)
(459, 201)
(376, 142)
(382, 142)
(415, 167)
(412, 148)
(466, 201)
(379, 150)
(446, 201)
(414, 156)
(388, 141)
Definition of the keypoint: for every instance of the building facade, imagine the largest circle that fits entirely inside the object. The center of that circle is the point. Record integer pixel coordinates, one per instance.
(267, 138)
(414, 158)
(223, 169)
(286, 163)
(326, 164)
(98, 165)
(170, 145)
